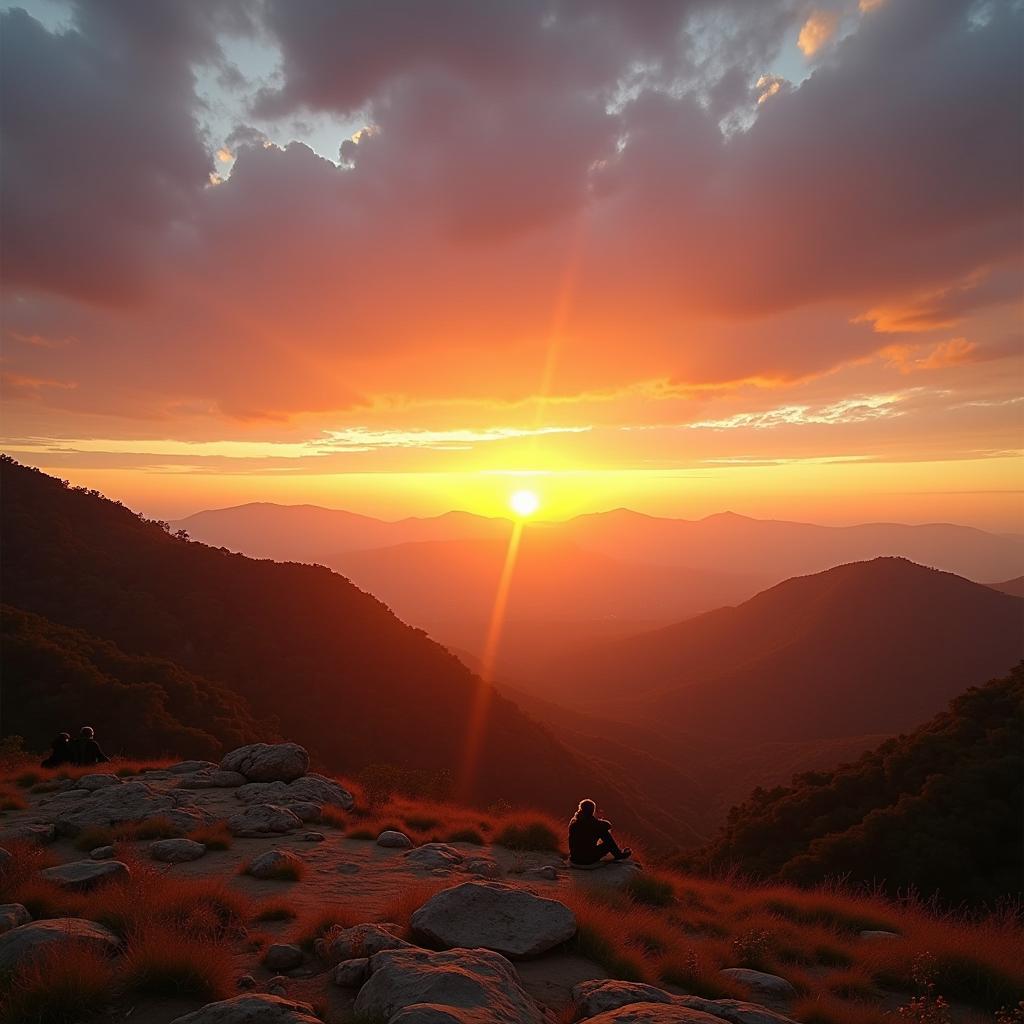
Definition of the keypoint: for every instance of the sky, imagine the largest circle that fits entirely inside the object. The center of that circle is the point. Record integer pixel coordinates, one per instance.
(403, 257)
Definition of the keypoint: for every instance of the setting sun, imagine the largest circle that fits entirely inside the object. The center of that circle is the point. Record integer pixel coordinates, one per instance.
(524, 503)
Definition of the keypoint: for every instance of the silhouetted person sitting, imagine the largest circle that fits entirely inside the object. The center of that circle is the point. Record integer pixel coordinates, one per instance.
(590, 837)
(60, 752)
(86, 750)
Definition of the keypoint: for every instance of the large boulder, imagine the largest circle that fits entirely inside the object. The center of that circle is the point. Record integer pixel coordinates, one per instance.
(763, 984)
(309, 789)
(82, 875)
(22, 943)
(215, 779)
(252, 1008)
(176, 851)
(263, 820)
(362, 940)
(491, 915)
(591, 998)
(13, 915)
(460, 985)
(190, 767)
(98, 781)
(128, 803)
(268, 762)
(653, 1013)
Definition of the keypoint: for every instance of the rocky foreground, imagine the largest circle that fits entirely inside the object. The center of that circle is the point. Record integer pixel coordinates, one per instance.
(491, 945)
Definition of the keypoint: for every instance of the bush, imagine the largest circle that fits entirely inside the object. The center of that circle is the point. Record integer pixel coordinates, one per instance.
(58, 986)
(213, 837)
(168, 963)
(651, 890)
(465, 835)
(527, 833)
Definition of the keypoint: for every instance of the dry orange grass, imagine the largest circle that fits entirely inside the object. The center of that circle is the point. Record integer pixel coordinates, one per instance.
(56, 985)
(316, 925)
(214, 837)
(400, 908)
(172, 963)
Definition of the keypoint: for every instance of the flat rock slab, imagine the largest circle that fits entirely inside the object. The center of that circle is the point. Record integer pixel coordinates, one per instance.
(176, 851)
(761, 983)
(190, 767)
(492, 915)
(263, 820)
(252, 1008)
(653, 1013)
(268, 762)
(20, 944)
(435, 855)
(98, 781)
(215, 779)
(128, 803)
(417, 985)
(309, 789)
(81, 875)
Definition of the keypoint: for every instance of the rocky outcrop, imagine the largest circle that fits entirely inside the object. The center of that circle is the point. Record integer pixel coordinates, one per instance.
(463, 985)
(127, 803)
(268, 762)
(98, 781)
(252, 1008)
(176, 851)
(282, 957)
(311, 789)
(22, 943)
(351, 973)
(215, 779)
(492, 915)
(260, 820)
(82, 875)
(594, 998)
(653, 1013)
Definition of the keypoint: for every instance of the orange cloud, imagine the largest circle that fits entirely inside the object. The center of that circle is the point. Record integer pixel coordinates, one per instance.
(816, 31)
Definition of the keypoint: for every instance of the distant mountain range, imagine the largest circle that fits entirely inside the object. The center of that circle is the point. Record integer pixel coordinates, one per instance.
(595, 577)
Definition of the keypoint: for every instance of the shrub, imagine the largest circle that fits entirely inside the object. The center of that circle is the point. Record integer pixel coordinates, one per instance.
(11, 801)
(57, 987)
(26, 780)
(651, 890)
(421, 823)
(362, 833)
(465, 835)
(157, 827)
(335, 817)
(522, 832)
(824, 1009)
(88, 839)
(275, 912)
(213, 837)
(169, 963)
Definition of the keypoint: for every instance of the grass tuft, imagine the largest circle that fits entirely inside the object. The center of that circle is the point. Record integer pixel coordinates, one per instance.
(213, 837)
(166, 963)
(527, 832)
(466, 835)
(275, 912)
(55, 986)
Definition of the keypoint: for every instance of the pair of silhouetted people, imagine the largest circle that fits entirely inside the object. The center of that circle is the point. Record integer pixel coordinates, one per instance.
(82, 750)
(590, 837)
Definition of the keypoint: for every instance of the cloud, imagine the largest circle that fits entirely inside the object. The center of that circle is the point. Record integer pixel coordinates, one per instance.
(816, 31)
(852, 410)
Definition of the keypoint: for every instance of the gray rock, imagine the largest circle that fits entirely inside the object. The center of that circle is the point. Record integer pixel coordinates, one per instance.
(176, 851)
(21, 943)
(392, 840)
(654, 1013)
(591, 998)
(156, 773)
(277, 989)
(548, 873)
(462, 985)
(246, 981)
(314, 837)
(215, 779)
(263, 820)
(348, 867)
(252, 1008)
(362, 940)
(435, 855)
(102, 853)
(761, 983)
(191, 767)
(268, 762)
(81, 875)
(878, 933)
(98, 781)
(282, 957)
(309, 813)
(272, 862)
(351, 973)
(311, 788)
(128, 803)
(483, 868)
(32, 832)
(13, 915)
(492, 915)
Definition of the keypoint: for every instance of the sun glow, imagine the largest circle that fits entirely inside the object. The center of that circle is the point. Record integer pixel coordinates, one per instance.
(524, 503)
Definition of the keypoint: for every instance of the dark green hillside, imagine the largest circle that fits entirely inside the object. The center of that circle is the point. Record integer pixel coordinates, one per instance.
(938, 810)
(56, 678)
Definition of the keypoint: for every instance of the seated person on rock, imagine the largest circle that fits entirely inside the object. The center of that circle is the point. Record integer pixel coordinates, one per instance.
(60, 752)
(590, 837)
(86, 750)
